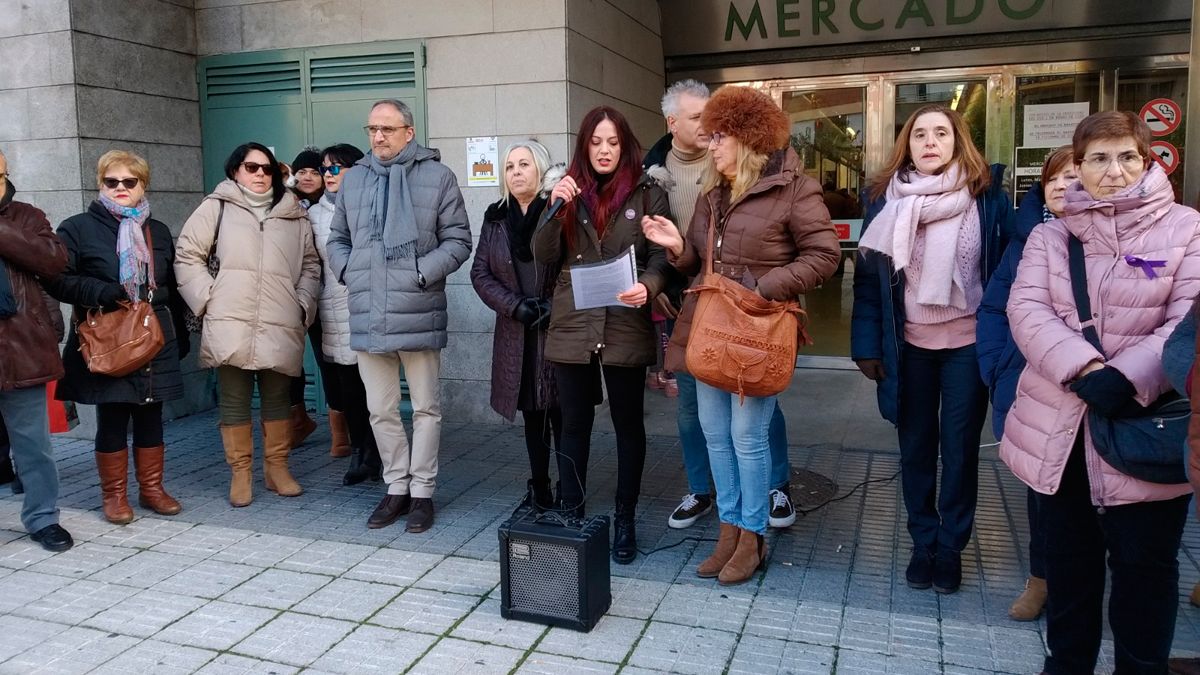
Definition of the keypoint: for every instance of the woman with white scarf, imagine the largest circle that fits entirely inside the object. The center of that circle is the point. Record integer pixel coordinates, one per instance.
(117, 252)
(936, 218)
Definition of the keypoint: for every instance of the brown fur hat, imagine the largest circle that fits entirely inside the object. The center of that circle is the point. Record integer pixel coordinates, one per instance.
(748, 115)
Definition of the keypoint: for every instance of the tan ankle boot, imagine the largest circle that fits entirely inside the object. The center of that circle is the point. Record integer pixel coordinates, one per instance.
(148, 466)
(750, 554)
(339, 434)
(726, 543)
(239, 454)
(1195, 597)
(114, 485)
(277, 436)
(1028, 605)
(301, 425)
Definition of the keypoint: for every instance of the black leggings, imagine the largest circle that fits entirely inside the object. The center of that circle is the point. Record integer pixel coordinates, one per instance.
(351, 399)
(112, 426)
(333, 397)
(578, 385)
(541, 427)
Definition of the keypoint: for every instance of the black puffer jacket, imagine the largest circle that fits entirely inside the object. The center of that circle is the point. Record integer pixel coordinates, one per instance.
(91, 241)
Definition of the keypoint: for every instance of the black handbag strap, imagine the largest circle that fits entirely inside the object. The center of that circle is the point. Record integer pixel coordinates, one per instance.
(212, 250)
(1083, 303)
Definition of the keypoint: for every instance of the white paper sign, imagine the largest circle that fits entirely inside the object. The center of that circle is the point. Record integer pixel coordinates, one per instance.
(597, 284)
(482, 169)
(1050, 125)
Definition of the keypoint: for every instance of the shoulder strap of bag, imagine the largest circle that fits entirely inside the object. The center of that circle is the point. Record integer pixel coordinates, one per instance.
(1083, 304)
(212, 250)
(712, 238)
(151, 280)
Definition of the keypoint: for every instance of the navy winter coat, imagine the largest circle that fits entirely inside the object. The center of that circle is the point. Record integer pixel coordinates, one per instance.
(1000, 362)
(877, 321)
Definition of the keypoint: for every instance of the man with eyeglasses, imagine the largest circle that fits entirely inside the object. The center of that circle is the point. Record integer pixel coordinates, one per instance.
(29, 250)
(399, 229)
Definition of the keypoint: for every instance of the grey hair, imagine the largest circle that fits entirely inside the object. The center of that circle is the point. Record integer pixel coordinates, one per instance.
(400, 106)
(541, 161)
(670, 100)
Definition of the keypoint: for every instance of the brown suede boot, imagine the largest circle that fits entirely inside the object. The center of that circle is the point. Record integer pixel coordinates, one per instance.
(726, 543)
(239, 453)
(1194, 598)
(301, 425)
(1028, 605)
(750, 554)
(114, 485)
(148, 465)
(277, 435)
(339, 434)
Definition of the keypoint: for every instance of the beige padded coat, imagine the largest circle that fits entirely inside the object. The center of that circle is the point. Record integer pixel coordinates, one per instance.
(265, 295)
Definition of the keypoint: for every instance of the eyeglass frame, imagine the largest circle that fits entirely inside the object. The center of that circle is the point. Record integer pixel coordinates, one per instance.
(1126, 161)
(378, 129)
(254, 167)
(332, 169)
(715, 139)
(122, 182)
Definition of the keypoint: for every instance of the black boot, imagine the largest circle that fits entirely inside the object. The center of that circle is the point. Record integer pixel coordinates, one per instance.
(624, 547)
(6, 467)
(538, 494)
(365, 464)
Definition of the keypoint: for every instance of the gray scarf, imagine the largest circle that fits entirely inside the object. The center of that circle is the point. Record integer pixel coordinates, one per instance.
(392, 218)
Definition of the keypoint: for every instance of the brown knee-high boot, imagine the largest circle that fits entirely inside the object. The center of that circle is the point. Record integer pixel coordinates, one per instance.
(339, 434)
(239, 453)
(114, 485)
(148, 466)
(277, 437)
(726, 542)
(750, 554)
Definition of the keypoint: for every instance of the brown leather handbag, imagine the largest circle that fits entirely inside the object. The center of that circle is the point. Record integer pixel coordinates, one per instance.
(119, 342)
(740, 342)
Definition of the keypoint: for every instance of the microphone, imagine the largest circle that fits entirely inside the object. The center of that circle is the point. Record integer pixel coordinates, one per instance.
(554, 207)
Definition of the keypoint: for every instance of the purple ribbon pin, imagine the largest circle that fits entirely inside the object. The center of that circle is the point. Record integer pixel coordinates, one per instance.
(1147, 266)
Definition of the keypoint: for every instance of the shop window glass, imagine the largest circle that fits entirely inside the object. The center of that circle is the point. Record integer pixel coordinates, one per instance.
(1160, 89)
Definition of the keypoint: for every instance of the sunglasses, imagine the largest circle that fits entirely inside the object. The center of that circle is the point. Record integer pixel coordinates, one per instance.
(255, 167)
(331, 170)
(127, 183)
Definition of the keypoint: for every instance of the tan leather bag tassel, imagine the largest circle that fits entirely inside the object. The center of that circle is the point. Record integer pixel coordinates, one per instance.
(119, 342)
(740, 342)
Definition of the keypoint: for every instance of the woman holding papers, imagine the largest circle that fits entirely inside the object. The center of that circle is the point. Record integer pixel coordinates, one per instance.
(594, 217)
(773, 235)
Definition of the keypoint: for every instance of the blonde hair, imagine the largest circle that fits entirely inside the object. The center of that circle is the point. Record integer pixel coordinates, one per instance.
(541, 162)
(749, 169)
(130, 160)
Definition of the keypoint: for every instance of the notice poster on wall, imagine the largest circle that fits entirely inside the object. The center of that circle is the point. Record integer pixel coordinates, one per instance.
(481, 162)
(1050, 125)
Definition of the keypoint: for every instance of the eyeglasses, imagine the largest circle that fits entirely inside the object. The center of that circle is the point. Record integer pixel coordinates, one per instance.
(332, 170)
(386, 131)
(255, 167)
(1129, 161)
(127, 183)
(715, 138)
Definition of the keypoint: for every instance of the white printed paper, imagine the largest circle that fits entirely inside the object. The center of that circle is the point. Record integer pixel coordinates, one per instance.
(1050, 125)
(597, 284)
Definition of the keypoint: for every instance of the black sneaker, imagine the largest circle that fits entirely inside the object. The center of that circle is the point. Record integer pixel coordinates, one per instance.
(947, 571)
(53, 538)
(919, 574)
(689, 511)
(783, 514)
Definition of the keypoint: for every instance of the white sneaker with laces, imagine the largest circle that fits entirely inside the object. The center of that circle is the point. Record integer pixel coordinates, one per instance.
(783, 514)
(689, 511)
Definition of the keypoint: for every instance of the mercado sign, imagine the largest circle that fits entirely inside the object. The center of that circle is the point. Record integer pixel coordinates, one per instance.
(706, 26)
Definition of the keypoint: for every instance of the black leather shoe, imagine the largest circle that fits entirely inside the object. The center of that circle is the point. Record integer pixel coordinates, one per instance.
(421, 516)
(919, 574)
(624, 548)
(390, 508)
(947, 571)
(53, 538)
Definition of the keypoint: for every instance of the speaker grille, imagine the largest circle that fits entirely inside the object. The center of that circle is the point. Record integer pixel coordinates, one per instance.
(544, 578)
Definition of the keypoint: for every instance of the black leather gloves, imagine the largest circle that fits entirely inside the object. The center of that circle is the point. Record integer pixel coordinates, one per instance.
(1107, 391)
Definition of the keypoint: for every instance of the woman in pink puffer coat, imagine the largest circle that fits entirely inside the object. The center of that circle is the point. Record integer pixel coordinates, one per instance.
(1142, 255)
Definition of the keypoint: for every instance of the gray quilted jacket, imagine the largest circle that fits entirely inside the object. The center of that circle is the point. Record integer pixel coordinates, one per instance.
(400, 305)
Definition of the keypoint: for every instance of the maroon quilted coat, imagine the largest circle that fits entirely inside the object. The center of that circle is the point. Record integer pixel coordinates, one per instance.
(30, 250)
(495, 280)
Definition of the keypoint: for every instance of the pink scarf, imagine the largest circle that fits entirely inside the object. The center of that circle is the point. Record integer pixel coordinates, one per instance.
(936, 208)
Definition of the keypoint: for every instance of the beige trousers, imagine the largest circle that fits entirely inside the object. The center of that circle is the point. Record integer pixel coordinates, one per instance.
(405, 472)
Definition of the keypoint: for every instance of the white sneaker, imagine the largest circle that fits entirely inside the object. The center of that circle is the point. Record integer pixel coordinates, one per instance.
(689, 511)
(783, 514)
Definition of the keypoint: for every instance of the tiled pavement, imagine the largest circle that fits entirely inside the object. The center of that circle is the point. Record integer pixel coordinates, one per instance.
(291, 585)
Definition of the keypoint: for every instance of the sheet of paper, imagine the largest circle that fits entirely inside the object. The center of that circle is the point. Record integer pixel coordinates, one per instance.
(597, 284)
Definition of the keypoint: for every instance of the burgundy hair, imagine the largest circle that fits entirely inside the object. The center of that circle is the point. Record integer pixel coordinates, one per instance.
(624, 178)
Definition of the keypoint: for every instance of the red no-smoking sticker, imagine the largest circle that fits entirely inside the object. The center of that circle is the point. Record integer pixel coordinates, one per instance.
(1166, 155)
(1162, 115)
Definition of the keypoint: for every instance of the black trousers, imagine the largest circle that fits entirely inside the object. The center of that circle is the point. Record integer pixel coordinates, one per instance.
(578, 386)
(1141, 542)
(112, 426)
(1037, 536)
(332, 394)
(351, 397)
(542, 427)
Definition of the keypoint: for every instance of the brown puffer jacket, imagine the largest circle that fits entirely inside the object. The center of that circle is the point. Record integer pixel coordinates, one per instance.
(779, 231)
(621, 336)
(265, 296)
(29, 250)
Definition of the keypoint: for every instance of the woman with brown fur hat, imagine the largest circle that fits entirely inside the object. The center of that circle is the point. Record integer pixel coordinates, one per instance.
(773, 235)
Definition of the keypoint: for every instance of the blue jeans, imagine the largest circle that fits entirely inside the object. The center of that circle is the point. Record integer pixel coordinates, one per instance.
(943, 405)
(695, 451)
(25, 416)
(739, 454)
